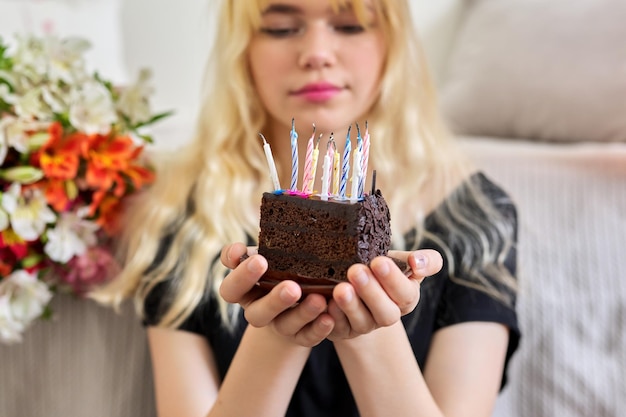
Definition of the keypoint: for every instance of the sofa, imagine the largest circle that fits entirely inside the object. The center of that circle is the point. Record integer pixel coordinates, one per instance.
(536, 92)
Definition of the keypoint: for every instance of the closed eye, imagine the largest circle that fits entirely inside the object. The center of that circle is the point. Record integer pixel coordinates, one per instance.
(280, 32)
(350, 29)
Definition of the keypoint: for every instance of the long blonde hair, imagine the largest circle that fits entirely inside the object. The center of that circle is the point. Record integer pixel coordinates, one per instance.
(213, 196)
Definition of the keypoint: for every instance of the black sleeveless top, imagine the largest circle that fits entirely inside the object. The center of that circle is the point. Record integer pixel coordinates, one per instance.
(323, 389)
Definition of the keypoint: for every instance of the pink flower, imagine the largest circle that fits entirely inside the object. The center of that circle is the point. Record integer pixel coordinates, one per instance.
(85, 271)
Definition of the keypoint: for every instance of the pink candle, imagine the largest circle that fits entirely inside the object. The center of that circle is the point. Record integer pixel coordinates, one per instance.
(365, 158)
(308, 163)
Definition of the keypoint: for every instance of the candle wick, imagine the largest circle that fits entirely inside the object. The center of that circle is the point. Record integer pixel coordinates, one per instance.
(373, 182)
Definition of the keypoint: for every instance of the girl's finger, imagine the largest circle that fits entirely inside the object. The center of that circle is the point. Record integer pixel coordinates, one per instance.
(423, 262)
(262, 311)
(243, 278)
(230, 255)
(292, 321)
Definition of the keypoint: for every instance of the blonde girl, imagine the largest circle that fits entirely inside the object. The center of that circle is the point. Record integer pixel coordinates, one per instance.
(382, 344)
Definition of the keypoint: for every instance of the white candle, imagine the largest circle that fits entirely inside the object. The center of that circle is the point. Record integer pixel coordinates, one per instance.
(270, 163)
(356, 175)
(326, 170)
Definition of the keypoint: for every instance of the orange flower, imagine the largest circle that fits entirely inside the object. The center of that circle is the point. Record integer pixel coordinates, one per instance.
(107, 157)
(108, 213)
(56, 194)
(139, 176)
(59, 158)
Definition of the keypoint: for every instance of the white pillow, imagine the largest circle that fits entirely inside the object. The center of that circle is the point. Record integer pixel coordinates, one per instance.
(95, 20)
(551, 70)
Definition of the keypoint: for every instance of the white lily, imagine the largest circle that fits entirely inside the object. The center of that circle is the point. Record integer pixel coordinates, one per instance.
(29, 213)
(92, 110)
(10, 329)
(133, 101)
(65, 57)
(31, 105)
(71, 236)
(15, 133)
(27, 299)
(5, 92)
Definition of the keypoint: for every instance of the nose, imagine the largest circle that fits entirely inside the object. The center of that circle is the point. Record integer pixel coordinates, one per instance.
(317, 47)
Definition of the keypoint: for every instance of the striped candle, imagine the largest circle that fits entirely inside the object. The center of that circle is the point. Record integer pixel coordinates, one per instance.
(325, 174)
(336, 169)
(356, 174)
(308, 161)
(330, 152)
(365, 159)
(294, 156)
(316, 151)
(345, 166)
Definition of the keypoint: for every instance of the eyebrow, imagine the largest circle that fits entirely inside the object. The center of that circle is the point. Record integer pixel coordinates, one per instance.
(282, 9)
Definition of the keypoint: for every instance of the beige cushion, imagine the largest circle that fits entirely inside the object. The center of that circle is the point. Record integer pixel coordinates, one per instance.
(539, 69)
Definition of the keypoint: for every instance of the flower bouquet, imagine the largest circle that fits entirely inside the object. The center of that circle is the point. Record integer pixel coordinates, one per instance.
(70, 151)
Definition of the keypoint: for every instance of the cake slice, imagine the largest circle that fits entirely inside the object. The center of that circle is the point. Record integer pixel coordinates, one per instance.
(314, 241)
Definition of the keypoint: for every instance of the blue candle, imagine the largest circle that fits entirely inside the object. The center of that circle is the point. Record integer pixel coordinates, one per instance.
(345, 166)
(294, 157)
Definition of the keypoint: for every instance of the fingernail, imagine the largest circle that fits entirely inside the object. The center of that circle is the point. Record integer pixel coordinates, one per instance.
(254, 265)
(361, 278)
(348, 295)
(381, 267)
(230, 249)
(420, 261)
(286, 294)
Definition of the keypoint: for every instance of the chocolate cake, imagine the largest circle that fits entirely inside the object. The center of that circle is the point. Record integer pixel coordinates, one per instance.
(314, 241)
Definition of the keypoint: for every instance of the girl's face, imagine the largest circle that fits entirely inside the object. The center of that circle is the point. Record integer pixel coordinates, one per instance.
(316, 65)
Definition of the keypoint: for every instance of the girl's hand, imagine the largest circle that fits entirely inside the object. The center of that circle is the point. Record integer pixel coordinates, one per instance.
(304, 323)
(380, 295)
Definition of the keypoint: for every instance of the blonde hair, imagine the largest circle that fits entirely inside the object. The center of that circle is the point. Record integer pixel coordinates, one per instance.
(213, 198)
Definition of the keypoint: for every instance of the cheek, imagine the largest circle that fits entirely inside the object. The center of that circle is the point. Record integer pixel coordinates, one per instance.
(367, 65)
(266, 64)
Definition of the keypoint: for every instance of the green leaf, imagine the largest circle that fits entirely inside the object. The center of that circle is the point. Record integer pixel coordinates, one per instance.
(47, 313)
(154, 119)
(31, 260)
(145, 138)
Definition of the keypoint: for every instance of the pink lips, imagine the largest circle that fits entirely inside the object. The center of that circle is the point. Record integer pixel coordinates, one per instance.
(317, 92)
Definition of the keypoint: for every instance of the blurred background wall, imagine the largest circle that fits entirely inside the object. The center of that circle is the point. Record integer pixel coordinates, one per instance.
(173, 39)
